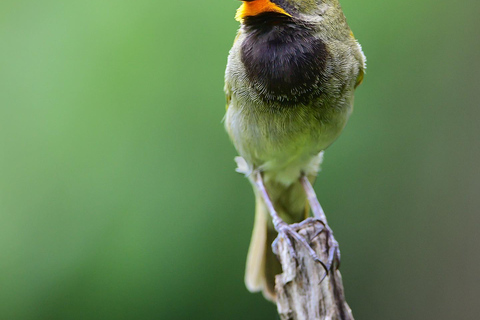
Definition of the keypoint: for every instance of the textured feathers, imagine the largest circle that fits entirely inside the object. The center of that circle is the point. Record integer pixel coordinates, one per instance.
(289, 83)
(283, 61)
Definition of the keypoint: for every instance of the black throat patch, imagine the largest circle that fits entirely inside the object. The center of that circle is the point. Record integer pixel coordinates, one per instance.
(283, 60)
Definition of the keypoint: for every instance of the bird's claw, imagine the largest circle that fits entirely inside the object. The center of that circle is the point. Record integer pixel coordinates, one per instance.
(289, 233)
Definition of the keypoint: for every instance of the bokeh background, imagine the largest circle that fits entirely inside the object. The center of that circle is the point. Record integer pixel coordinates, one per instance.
(118, 196)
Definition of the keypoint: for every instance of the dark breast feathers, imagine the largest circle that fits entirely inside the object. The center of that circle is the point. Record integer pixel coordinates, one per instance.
(284, 61)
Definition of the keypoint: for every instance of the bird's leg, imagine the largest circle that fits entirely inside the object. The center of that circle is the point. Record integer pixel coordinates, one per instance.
(283, 229)
(333, 251)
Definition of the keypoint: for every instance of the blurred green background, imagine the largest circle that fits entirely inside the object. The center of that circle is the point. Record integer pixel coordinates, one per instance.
(118, 196)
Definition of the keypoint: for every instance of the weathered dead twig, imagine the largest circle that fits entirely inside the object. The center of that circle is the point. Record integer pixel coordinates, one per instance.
(301, 292)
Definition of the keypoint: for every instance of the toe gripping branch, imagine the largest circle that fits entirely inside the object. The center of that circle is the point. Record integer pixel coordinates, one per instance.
(309, 287)
(289, 232)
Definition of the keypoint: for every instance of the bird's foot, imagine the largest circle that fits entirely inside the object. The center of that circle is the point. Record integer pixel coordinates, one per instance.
(291, 236)
(289, 232)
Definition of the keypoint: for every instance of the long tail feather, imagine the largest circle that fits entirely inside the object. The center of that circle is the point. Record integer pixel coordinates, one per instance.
(255, 271)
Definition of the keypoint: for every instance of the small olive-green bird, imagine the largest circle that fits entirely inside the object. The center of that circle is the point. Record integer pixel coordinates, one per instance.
(289, 84)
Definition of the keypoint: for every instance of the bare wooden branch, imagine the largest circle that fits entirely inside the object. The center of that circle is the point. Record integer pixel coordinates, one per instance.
(301, 293)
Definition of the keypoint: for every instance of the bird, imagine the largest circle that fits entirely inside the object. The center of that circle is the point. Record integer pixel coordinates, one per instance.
(289, 84)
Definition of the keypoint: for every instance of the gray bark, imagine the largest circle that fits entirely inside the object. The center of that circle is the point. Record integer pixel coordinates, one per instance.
(301, 293)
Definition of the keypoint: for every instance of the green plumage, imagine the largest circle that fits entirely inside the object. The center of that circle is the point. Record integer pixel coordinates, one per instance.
(287, 101)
